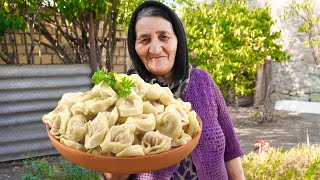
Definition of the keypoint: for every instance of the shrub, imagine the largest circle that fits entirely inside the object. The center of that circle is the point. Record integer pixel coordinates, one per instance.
(302, 162)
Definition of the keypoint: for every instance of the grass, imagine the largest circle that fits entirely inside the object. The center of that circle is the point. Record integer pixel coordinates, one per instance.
(36, 169)
(302, 162)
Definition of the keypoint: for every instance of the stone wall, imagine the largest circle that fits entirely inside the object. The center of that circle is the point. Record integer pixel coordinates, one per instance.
(294, 80)
(297, 78)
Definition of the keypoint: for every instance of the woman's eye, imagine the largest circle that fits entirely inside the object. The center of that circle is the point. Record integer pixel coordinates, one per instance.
(144, 40)
(164, 37)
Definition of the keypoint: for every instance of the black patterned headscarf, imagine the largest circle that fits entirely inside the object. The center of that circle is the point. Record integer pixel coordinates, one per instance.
(181, 67)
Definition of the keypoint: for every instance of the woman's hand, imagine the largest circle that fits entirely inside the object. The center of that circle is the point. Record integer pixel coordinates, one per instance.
(110, 176)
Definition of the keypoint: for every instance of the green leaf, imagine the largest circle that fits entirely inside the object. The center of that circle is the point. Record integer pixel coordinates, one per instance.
(98, 77)
(111, 80)
(7, 22)
(124, 87)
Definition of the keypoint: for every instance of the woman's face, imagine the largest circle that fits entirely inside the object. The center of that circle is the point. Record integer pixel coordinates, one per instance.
(156, 44)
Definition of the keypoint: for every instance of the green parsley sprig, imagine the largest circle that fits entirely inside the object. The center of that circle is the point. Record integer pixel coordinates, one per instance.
(123, 88)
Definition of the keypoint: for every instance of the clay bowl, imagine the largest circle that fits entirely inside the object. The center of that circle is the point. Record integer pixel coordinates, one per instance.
(129, 165)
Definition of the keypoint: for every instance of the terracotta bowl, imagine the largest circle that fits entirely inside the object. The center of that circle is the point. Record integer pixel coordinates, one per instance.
(129, 165)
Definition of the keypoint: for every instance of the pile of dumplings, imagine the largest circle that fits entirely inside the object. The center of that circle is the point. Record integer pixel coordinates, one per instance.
(147, 121)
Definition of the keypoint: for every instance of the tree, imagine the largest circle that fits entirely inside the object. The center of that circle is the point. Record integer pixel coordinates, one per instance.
(310, 23)
(10, 22)
(75, 22)
(231, 42)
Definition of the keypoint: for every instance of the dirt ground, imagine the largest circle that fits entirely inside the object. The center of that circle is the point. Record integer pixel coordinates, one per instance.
(287, 130)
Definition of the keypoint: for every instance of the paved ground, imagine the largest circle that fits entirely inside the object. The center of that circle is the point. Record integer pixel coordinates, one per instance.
(287, 131)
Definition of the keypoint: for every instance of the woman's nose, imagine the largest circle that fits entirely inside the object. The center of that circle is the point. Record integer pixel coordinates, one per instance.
(155, 47)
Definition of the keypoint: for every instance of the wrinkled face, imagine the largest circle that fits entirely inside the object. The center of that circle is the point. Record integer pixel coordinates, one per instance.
(156, 44)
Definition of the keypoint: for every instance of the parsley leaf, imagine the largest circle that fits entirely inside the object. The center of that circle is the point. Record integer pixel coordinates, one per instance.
(123, 88)
(111, 80)
(98, 77)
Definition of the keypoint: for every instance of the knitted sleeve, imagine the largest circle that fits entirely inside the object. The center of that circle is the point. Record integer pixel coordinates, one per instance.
(233, 148)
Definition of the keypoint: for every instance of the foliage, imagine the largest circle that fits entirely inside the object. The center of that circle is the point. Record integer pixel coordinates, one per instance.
(43, 169)
(310, 23)
(231, 42)
(9, 19)
(76, 24)
(302, 162)
(122, 88)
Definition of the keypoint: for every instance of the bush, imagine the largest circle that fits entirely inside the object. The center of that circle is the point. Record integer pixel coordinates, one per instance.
(302, 162)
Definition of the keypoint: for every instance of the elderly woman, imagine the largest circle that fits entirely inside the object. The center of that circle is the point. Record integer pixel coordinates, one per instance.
(158, 49)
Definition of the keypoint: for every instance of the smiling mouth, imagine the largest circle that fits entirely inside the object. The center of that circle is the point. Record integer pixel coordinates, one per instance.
(158, 57)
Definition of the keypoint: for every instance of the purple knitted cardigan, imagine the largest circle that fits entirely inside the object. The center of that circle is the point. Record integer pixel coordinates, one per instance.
(218, 142)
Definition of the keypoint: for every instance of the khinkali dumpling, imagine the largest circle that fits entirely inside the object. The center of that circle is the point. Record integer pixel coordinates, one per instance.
(113, 117)
(143, 122)
(132, 105)
(149, 108)
(92, 94)
(194, 126)
(50, 117)
(65, 117)
(69, 99)
(72, 144)
(159, 107)
(96, 130)
(100, 104)
(118, 138)
(59, 124)
(76, 128)
(183, 115)
(182, 140)
(55, 127)
(169, 123)
(154, 92)
(106, 91)
(95, 151)
(141, 87)
(166, 96)
(78, 108)
(186, 106)
(154, 142)
(131, 151)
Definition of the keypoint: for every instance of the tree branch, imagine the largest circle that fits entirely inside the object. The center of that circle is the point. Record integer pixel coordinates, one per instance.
(58, 49)
(297, 12)
(5, 58)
